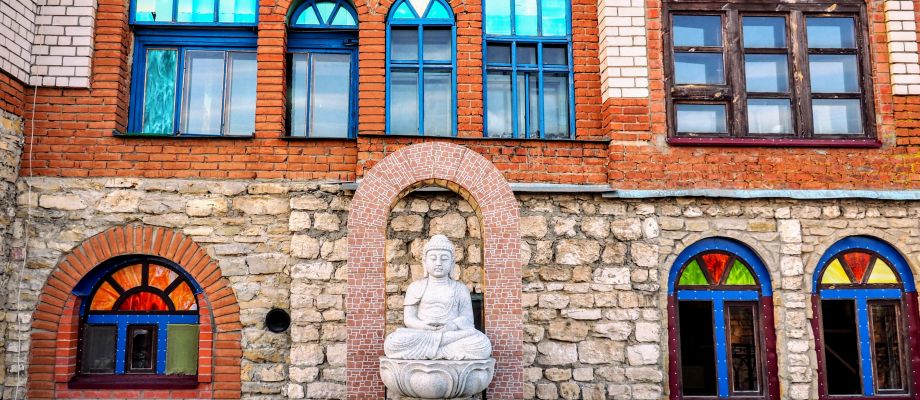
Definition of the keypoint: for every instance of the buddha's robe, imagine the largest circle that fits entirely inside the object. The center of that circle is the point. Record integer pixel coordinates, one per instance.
(439, 302)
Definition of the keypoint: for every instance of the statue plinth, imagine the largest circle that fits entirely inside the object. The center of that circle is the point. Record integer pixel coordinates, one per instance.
(436, 379)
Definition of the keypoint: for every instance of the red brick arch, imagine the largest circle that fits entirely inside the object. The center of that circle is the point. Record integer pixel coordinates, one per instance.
(479, 182)
(55, 325)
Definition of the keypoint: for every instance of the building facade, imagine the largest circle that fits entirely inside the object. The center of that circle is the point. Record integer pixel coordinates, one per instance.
(650, 199)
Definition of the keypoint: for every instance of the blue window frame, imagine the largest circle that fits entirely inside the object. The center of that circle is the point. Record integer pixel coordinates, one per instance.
(529, 91)
(195, 12)
(421, 69)
(721, 330)
(322, 70)
(865, 303)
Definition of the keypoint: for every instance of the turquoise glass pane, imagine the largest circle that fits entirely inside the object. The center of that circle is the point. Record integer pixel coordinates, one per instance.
(554, 16)
(343, 18)
(160, 91)
(525, 17)
(325, 10)
(195, 11)
(153, 10)
(237, 11)
(437, 10)
(403, 11)
(307, 17)
(498, 17)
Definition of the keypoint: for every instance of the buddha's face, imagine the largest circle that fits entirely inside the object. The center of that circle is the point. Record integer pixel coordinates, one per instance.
(438, 263)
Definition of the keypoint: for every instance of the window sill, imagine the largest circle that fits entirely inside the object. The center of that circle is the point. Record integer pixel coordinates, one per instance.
(135, 135)
(567, 140)
(773, 142)
(133, 381)
(314, 139)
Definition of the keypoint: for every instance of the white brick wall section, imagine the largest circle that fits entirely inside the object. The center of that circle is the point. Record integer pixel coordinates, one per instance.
(900, 22)
(63, 44)
(623, 52)
(17, 32)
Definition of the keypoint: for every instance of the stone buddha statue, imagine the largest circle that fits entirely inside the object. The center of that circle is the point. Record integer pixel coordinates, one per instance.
(438, 314)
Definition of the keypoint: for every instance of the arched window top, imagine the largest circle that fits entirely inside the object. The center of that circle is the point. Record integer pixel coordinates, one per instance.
(189, 12)
(863, 262)
(719, 263)
(140, 284)
(325, 14)
(421, 12)
(546, 18)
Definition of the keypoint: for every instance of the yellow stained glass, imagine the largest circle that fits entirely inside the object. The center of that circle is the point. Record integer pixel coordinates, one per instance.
(183, 298)
(105, 298)
(160, 277)
(882, 273)
(128, 277)
(834, 274)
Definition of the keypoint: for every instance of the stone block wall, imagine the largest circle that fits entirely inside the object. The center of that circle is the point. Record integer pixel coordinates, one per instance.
(10, 151)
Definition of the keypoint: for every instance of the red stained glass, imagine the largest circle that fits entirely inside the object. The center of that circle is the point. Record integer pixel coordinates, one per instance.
(858, 263)
(144, 301)
(716, 263)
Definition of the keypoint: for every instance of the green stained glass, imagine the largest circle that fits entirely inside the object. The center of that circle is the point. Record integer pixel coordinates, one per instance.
(437, 10)
(343, 18)
(692, 275)
(182, 349)
(160, 91)
(325, 10)
(307, 17)
(740, 275)
(403, 12)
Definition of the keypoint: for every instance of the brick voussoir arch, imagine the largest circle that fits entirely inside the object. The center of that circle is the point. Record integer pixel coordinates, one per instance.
(478, 181)
(55, 323)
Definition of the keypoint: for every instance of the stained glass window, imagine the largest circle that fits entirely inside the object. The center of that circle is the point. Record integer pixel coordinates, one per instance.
(709, 269)
(859, 267)
(153, 12)
(325, 14)
(144, 287)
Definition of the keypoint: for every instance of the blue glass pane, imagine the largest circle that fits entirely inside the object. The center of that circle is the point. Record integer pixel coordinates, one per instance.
(237, 11)
(403, 111)
(554, 17)
(153, 10)
(833, 73)
(841, 116)
(834, 33)
(436, 44)
(526, 54)
(404, 44)
(698, 68)
(160, 91)
(766, 72)
(764, 32)
(437, 10)
(499, 98)
(769, 116)
(403, 11)
(329, 95)
(202, 110)
(697, 30)
(325, 10)
(242, 97)
(701, 118)
(439, 105)
(299, 95)
(344, 18)
(498, 53)
(307, 17)
(556, 106)
(498, 17)
(195, 11)
(555, 55)
(525, 17)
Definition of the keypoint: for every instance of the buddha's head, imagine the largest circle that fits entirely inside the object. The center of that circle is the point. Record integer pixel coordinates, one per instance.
(438, 257)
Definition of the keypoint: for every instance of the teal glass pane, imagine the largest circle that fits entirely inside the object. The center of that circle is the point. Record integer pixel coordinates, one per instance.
(498, 17)
(403, 12)
(153, 10)
(195, 11)
(307, 17)
(343, 18)
(237, 11)
(325, 10)
(437, 10)
(160, 91)
(525, 17)
(554, 17)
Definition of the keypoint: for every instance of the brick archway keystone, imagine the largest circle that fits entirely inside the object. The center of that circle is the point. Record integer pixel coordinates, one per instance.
(478, 181)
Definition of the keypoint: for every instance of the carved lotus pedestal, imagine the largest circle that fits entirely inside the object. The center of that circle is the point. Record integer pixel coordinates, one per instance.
(436, 379)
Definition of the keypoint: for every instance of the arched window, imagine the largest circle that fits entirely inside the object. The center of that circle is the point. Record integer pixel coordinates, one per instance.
(721, 337)
(865, 301)
(528, 56)
(323, 69)
(194, 68)
(139, 315)
(421, 81)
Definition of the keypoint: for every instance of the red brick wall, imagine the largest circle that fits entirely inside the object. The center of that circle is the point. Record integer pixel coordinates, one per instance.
(12, 93)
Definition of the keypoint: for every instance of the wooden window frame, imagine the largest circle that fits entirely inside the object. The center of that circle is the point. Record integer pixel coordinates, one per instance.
(733, 94)
(153, 329)
(902, 343)
(758, 349)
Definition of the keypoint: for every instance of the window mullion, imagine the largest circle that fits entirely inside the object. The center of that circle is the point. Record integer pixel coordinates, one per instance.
(420, 79)
(514, 94)
(540, 89)
(801, 91)
(865, 349)
(735, 64)
(718, 318)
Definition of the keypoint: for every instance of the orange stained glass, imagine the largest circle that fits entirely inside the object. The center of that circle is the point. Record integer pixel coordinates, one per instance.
(858, 263)
(128, 277)
(160, 277)
(183, 298)
(144, 301)
(716, 263)
(105, 298)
